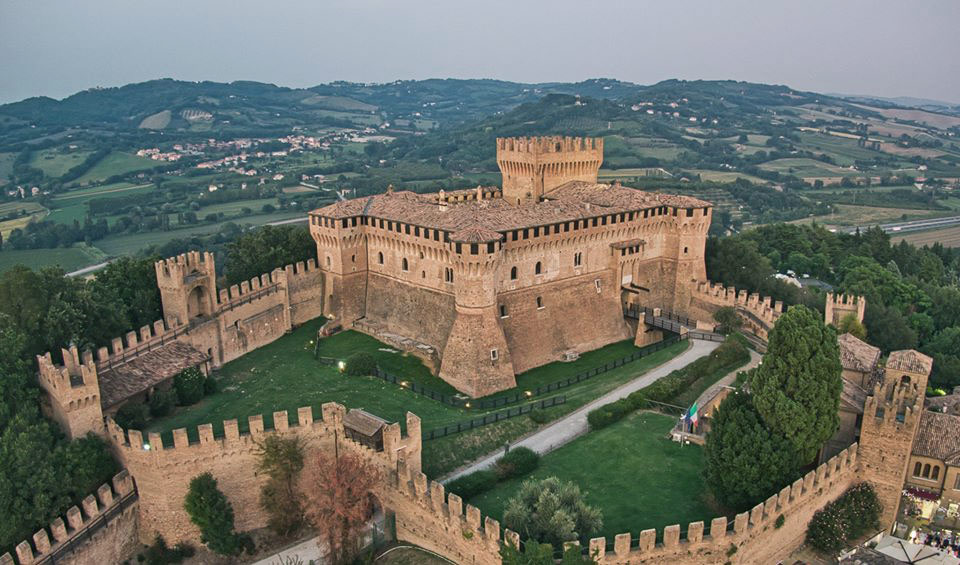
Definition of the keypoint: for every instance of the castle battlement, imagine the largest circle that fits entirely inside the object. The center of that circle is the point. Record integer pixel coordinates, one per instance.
(763, 308)
(62, 532)
(698, 545)
(840, 306)
(549, 144)
(174, 269)
(533, 166)
(74, 373)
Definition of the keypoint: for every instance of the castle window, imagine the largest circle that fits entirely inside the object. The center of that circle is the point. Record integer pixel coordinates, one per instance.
(423, 274)
(526, 233)
(491, 247)
(474, 249)
(416, 231)
(566, 226)
(459, 248)
(380, 258)
(406, 229)
(405, 265)
(645, 213)
(494, 354)
(956, 482)
(603, 221)
(448, 275)
(685, 249)
(917, 468)
(536, 232)
(503, 311)
(380, 224)
(353, 222)
(926, 471)
(597, 284)
(539, 303)
(328, 261)
(436, 235)
(595, 222)
(689, 212)
(353, 258)
(675, 211)
(705, 211)
(513, 235)
(538, 269)
(577, 259)
(935, 474)
(343, 223)
(513, 273)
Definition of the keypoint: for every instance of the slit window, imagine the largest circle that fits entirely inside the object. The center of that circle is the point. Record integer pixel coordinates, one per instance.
(538, 269)
(539, 303)
(405, 265)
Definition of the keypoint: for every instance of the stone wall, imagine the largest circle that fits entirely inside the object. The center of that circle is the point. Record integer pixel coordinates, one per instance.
(104, 531)
(840, 306)
(758, 314)
(400, 308)
(753, 537)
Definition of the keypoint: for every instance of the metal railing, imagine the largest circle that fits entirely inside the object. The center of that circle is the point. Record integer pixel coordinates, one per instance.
(492, 418)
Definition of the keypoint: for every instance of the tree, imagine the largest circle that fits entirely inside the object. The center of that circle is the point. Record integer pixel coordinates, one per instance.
(535, 553)
(745, 460)
(851, 325)
(728, 319)
(796, 389)
(551, 511)
(338, 501)
(210, 511)
(189, 385)
(282, 460)
(888, 328)
(131, 284)
(265, 249)
(853, 514)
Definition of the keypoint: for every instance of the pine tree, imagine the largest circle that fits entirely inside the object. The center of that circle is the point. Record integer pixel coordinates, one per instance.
(797, 387)
(210, 511)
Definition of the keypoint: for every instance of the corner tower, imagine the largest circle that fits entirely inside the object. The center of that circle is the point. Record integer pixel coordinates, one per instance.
(533, 166)
(73, 391)
(188, 287)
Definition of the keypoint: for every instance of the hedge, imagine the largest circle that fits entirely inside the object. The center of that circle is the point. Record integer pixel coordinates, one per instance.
(732, 353)
(517, 462)
(855, 513)
(361, 364)
(468, 486)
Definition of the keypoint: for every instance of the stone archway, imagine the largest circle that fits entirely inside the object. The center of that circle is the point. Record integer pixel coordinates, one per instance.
(197, 302)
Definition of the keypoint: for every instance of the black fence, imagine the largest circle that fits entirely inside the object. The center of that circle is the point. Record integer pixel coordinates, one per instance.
(62, 552)
(488, 419)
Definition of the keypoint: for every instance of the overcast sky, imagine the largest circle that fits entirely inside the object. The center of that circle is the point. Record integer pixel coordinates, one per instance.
(887, 48)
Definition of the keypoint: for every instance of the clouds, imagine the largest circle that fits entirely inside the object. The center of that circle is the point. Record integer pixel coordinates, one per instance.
(56, 47)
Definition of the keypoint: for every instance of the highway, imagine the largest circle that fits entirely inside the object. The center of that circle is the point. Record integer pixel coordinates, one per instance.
(911, 226)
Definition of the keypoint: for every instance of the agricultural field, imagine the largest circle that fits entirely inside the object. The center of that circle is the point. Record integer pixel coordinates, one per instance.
(948, 237)
(70, 206)
(30, 210)
(116, 163)
(631, 470)
(56, 162)
(69, 258)
(851, 215)
(726, 176)
(942, 121)
(803, 167)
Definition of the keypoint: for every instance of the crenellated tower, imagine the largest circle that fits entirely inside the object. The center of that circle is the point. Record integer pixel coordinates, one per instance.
(188, 287)
(533, 166)
(891, 415)
(840, 306)
(342, 257)
(73, 391)
(476, 358)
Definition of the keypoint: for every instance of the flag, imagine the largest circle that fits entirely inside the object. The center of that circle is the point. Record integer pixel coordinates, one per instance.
(692, 414)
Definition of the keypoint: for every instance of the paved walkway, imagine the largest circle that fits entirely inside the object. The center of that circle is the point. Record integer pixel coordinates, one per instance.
(574, 424)
(728, 379)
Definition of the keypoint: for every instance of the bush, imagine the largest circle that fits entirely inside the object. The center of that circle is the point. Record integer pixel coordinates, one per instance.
(162, 402)
(361, 364)
(189, 385)
(539, 416)
(468, 486)
(616, 411)
(518, 461)
(132, 416)
(160, 554)
(855, 513)
(209, 385)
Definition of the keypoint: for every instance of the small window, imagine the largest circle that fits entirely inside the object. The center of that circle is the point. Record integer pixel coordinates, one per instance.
(494, 354)
(353, 258)
(936, 473)
(380, 258)
(328, 260)
(689, 212)
(513, 273)
(577, 259)
(503, 310)
(685, 249)
(423, 274)
(448, 275)
(474, 249)
(919, 467)
(405, 265)
(539, 303)
(956, 482)
(538, 269)
(926, 471)
(596, 283)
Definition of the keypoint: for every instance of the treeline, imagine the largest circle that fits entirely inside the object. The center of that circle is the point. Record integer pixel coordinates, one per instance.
(913, 297)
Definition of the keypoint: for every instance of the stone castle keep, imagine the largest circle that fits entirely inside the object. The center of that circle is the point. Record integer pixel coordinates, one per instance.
(490, 279)
(487, 283)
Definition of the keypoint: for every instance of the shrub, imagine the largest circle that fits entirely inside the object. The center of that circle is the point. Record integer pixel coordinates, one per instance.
(189, 385)
(160, 554)
(212, 513)
(518, 461)
(468, 486)
(209, 385)
(854, 513)
(162, 402)
(539, 416)
(361, 364)
(132, 416)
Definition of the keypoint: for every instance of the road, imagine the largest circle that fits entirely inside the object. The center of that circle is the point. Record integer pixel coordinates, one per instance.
(575, 424)
(90, 269)
(911, 226)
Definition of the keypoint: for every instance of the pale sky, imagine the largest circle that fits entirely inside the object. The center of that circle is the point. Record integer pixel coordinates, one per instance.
(880, 47)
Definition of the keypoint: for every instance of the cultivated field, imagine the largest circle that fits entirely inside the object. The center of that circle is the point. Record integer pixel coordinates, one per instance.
(948, 237)
(803, 167)
(159, 120)
(941, 121)
(850, 215)
(69, 259)
(116, 163)
(55, 162)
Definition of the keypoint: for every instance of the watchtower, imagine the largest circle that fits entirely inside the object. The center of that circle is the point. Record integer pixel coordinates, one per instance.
(187, 287)
(533, 166)
(839, 307)
(73, 391)
(891, 415)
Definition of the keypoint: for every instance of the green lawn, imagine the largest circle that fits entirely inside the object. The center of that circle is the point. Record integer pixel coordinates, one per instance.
(285, 376)
(116, 163)
(70, 258)
(72, 205)
(630, 470)
(55, 162)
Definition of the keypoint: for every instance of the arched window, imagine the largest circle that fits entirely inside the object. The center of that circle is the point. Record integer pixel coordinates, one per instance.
(513, 273)
(577, 259)
(936, 473)
(926, 471)
(539, 268)
(448, 275)
(539, 302)
(917, 468)
(405, 265)
(380, 257)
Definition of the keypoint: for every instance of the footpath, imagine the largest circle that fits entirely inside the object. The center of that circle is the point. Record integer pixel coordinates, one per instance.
(574, 424)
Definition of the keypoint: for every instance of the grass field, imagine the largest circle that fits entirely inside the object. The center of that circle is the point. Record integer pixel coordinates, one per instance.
(803, 167)
(33, 210)
(850, 215)
(726, 176)
(54, 162)
(70, 258)
(949, 237)
(116, 163)
(235, 208)
(72, 205)
(631, 470)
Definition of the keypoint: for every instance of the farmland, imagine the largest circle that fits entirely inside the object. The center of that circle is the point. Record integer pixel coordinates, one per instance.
(69, 259)
(114, 164)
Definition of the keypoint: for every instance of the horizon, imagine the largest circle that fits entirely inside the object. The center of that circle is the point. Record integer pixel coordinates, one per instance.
(60, 49)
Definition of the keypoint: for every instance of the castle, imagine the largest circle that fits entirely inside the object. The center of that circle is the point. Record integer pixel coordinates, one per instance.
(498, 281)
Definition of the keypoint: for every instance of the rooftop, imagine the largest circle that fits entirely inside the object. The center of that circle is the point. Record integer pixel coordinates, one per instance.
(120, 382)
(572, 201)
(910, 361)
(856, 354)
(939, 437)
(363, 422)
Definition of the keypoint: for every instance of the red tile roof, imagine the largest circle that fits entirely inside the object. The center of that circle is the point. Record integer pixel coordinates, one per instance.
(938, 436)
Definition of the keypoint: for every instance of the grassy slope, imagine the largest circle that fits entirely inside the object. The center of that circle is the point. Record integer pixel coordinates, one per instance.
(116, 163)
(70, 258)
(630, 470)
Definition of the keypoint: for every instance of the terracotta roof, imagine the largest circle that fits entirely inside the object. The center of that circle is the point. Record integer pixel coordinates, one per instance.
(475, 234)
(573, 201)
(120, 382)
(363, 422)
(856, 354)
(910, 361)
(628, 243)
(938, 436)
